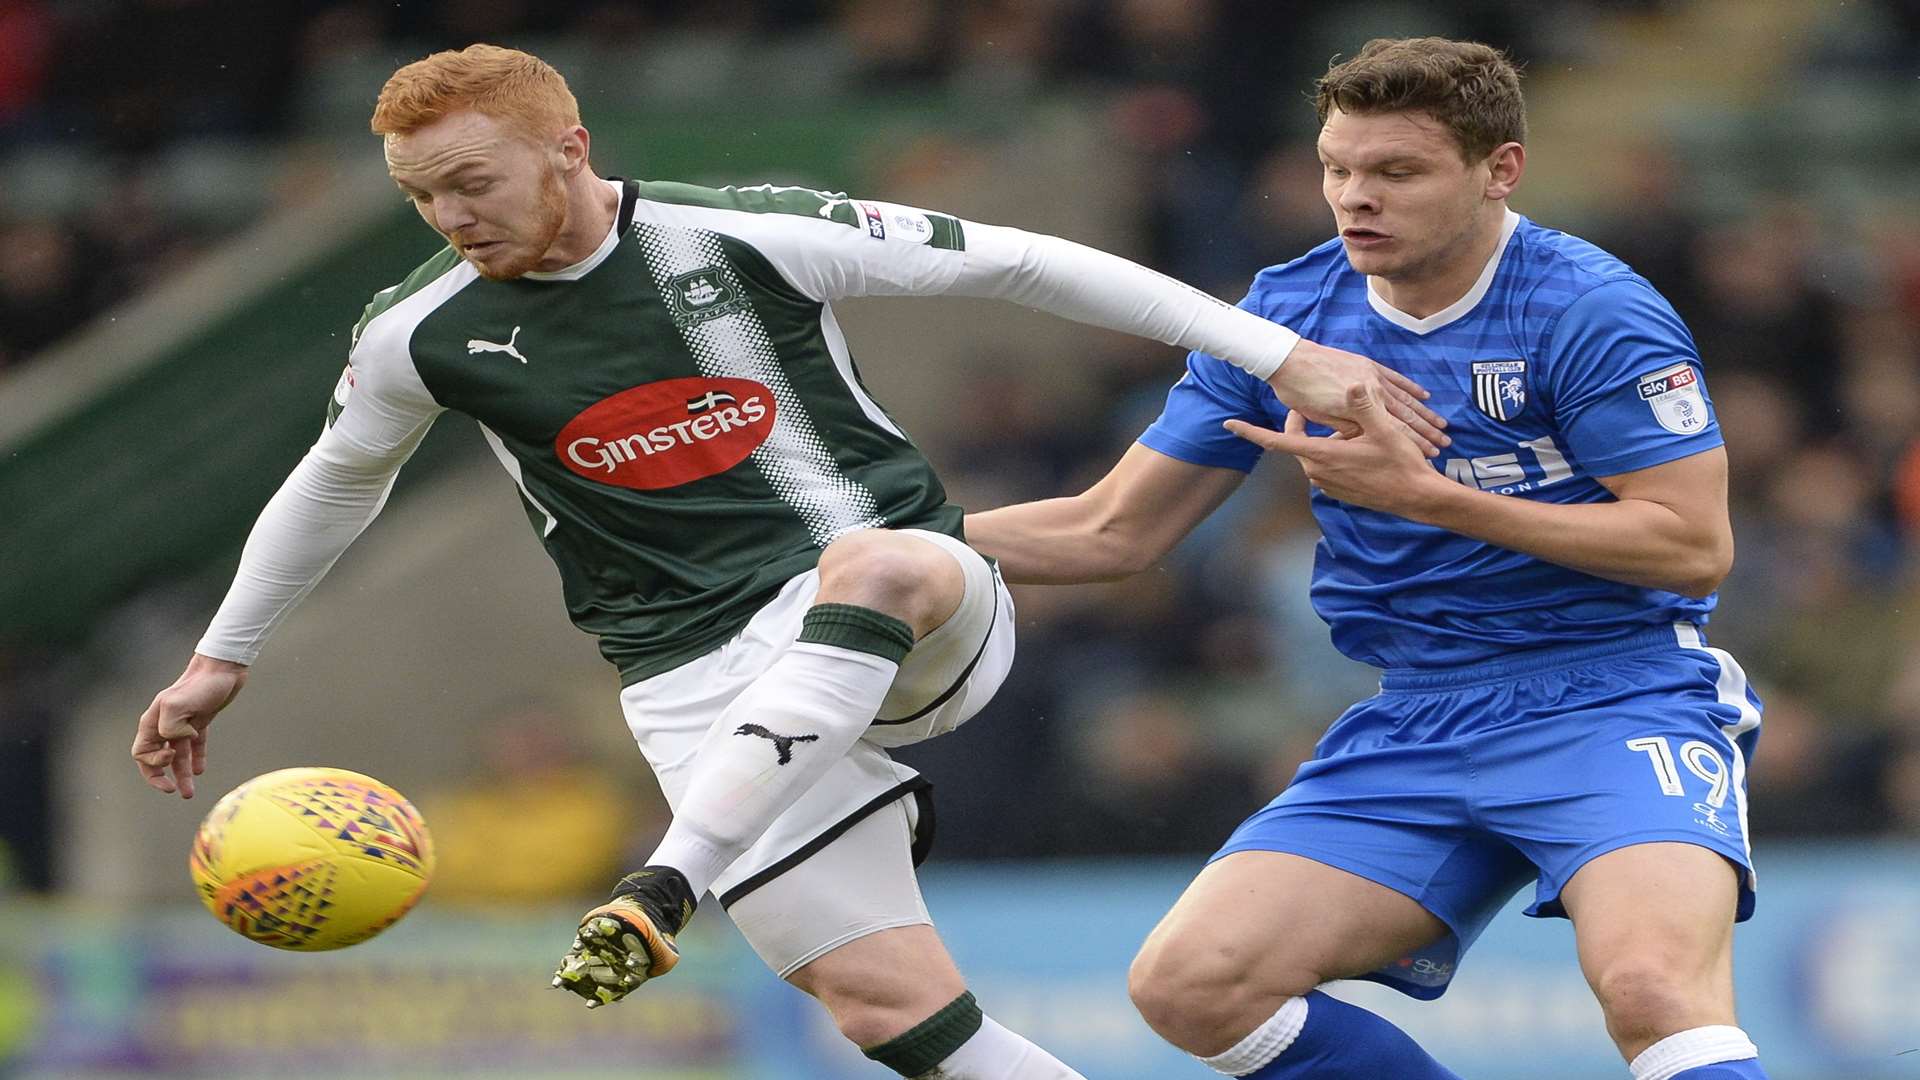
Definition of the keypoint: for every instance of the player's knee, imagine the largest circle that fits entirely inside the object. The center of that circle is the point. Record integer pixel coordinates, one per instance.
(868, 1015)
(1204, 999)
(1645, 1000)
(905, 577)
(868, 1024)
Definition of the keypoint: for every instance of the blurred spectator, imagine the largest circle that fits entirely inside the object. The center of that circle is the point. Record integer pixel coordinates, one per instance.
(539, 820)
(26, 53)
(1827, 560)
(895, 42)
(1759, 312)
(1880, 396)
(29, 716)
(137, 74)
(1653, 231)
(1151, 782)
(44, 287)
(1900, 785)
(1797, 783)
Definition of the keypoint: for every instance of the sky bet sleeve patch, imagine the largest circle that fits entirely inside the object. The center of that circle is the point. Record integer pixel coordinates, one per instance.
(1673, 393)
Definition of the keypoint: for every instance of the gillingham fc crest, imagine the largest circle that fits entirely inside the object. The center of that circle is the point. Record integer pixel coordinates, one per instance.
(1500, 388)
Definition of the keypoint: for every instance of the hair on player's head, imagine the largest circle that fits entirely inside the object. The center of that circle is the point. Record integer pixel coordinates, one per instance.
(1473, 89)
(511, 86)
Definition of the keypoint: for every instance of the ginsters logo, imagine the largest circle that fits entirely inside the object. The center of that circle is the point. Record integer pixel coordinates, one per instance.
(667, 433)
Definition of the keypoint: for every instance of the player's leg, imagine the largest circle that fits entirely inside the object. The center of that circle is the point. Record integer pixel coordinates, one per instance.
(1654, 925)
(880, 592)
(1369, 864)
(848, 926)
(1230, 975)
(1623, 779)
(949, 674)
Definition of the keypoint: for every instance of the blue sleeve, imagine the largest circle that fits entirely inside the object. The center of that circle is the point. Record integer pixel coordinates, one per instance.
(1626, 382)
(1211, 392)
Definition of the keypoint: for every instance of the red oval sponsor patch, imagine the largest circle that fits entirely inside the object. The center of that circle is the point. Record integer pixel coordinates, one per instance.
(667, 433)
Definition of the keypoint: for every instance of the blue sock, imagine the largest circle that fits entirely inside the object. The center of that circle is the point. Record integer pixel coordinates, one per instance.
(1345, 1042)
(1725, 1050)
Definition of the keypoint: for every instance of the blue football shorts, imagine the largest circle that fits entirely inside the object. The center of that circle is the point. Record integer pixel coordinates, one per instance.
(1457, 786)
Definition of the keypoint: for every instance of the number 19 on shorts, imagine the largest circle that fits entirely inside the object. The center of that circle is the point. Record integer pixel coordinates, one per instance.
(1703, 761)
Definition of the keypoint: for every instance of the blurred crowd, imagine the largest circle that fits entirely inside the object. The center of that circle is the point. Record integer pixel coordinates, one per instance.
(137, 133)
(1147, 717)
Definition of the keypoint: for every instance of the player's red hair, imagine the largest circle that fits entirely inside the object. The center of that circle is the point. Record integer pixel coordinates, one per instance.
(517, 88)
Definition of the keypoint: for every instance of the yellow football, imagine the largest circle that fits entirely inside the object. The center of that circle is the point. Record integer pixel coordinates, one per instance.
(311, 859)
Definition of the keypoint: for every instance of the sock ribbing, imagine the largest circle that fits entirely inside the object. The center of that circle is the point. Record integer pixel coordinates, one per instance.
(1691, 1049)
(861, 629)
(931, 1041)
(1339, 1041)
(1266, 1043)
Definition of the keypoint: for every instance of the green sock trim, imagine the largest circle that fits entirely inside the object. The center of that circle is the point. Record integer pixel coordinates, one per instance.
(862, 629)
(933, 1040)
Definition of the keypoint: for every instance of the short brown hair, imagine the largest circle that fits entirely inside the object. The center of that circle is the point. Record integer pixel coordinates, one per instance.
(1471, 88)
(515, 87)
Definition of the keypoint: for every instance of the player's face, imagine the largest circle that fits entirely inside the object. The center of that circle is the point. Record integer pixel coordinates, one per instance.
(1406, 205)
(496, 196)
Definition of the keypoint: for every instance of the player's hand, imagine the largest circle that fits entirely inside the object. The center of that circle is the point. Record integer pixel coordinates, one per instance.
(170, 746)
(1321, 383)
(1378, 467)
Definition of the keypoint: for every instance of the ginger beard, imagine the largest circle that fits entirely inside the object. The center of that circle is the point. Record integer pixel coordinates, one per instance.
(510, 260)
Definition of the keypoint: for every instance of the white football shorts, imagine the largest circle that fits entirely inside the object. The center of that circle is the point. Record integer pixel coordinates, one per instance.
(819, 876)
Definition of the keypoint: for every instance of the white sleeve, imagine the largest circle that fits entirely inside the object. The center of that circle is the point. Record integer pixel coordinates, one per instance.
(331, 495)
(854, 247)
(1091, 286)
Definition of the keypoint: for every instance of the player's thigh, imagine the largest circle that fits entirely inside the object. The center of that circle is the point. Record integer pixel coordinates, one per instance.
(861, 883)
(954, 670)
(1645, 748)
(1383, 850)
(1654, 927)
(1281, 924)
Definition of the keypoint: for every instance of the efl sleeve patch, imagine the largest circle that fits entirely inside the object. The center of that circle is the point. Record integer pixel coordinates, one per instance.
(892, 221)
(1673, 393)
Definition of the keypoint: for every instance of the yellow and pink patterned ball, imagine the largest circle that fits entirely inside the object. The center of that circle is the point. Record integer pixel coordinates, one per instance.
(311, 859)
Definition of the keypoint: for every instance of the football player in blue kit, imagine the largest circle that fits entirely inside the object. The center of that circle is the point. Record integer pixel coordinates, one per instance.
(1549, 708)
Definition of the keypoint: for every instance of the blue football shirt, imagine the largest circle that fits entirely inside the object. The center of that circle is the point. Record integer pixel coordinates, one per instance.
(1560, 365)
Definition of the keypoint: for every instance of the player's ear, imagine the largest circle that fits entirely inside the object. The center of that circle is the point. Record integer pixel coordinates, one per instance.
(571, 150)
(1504, 167)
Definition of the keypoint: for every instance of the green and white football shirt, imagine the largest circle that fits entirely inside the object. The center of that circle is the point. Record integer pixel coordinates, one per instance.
(679, 409)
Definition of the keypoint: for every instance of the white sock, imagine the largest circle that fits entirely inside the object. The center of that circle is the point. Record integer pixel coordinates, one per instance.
(1691, 1049)
(994, 1053)
(809, 709)
(1257, 1050)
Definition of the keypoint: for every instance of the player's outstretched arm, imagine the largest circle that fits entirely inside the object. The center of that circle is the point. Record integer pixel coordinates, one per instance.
(1092, 286)
(901, 251)
(170, 745)
(1120, 526)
